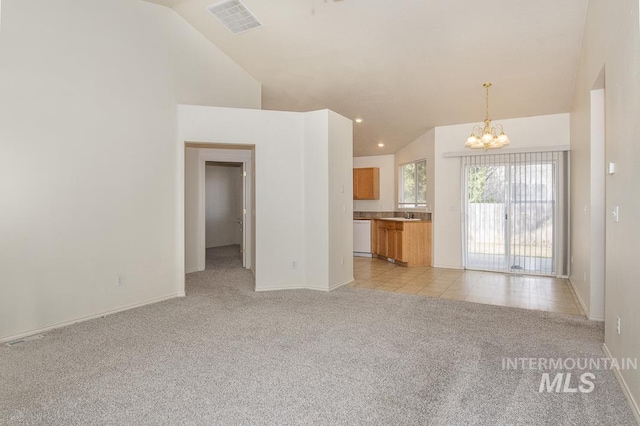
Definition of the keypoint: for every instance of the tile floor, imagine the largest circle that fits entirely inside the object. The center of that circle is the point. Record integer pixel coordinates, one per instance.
(528, 292)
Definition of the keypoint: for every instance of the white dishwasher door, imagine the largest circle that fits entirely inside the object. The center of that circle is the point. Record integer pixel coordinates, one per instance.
(362, 238)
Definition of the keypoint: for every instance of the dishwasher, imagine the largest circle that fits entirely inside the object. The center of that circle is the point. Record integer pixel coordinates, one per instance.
(362, 238)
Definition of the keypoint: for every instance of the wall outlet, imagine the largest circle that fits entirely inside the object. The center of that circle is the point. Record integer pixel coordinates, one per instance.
(294, 265)
(120, 281)
(618, 325)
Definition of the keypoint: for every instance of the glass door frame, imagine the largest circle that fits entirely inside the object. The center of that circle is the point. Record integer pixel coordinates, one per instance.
(508, 161)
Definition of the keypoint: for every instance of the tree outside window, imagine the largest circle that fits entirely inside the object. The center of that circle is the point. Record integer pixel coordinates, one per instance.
(413, 185)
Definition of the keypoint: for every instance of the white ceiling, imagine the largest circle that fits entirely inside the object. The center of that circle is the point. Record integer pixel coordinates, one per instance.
(405, 66)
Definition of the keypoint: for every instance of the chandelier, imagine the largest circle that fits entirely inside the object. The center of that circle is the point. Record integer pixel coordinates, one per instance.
(487, 137)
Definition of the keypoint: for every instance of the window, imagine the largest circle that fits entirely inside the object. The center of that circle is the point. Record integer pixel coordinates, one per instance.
(413, 185)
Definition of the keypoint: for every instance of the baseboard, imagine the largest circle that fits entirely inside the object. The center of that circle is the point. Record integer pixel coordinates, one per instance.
(623, 385)
(314, 288)
(447, 267)
(584, 306)
(335, 286)
(89, 317)
(280, 288)
(361, 254)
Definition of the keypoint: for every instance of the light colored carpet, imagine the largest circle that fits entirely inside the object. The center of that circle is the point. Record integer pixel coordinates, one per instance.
(227, 355)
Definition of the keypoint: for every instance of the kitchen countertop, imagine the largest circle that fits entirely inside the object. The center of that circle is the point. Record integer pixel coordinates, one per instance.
(358, 215)
(402, 219)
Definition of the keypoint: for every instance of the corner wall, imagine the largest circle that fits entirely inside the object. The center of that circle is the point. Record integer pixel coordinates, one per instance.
(296, 219)
(316, 198)
(340, 147)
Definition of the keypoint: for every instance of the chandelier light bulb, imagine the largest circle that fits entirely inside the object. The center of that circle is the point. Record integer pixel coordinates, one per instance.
(471, 141)
(503, 139)
(487, 137)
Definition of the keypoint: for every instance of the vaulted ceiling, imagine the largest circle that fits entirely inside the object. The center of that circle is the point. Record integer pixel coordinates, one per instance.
(405, 66)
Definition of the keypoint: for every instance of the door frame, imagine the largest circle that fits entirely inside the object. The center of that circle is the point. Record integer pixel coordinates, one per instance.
(224, 155)
(211, 151)
(202, 225)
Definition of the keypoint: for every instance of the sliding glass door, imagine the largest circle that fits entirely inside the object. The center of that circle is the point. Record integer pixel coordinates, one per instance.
(512, 212)
(486, 227)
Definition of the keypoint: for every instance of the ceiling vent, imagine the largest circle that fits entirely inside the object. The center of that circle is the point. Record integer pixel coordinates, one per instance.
(234, 15)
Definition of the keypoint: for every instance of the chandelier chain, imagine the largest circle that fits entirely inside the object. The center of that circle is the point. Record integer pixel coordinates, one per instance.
(486, 104)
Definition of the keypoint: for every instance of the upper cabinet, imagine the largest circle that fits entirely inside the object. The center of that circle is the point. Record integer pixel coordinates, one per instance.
(366, 183)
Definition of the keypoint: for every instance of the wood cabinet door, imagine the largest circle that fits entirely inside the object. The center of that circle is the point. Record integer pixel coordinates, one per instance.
(366, 183)
(356, 179)
(428, 236)
(382, 241)
(391, 243)
(398, 246)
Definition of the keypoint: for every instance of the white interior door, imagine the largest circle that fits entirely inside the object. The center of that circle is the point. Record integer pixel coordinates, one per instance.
(242, 214)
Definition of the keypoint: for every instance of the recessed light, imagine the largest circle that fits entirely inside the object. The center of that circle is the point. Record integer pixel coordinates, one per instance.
(359, 120)
(380, 144)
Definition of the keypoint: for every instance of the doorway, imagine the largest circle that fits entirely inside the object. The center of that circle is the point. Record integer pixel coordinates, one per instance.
(225, 218)
(515, 213)
(224, 214)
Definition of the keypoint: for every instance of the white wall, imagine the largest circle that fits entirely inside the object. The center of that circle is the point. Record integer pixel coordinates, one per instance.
(596, 276)
(222, 195)
(316, 192)
(387, 201)
(340, 200)
(88, 173)
(328, 200)
(291, 186)
(530, 132)
(192, 191)
(612, 41)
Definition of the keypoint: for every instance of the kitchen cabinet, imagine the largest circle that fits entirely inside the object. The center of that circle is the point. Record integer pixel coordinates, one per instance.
(406, 242)
(381, 237)
(366, 183)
